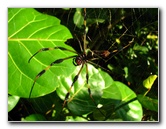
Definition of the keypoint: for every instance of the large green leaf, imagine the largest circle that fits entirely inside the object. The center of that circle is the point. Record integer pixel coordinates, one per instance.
(80, 102)
(120, 103)
(149, 103)
(28, 32)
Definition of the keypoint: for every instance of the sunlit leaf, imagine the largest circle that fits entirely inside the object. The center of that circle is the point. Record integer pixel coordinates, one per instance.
(152, 37)
(79, 101)
(71, 118)
(34, 117)
(28, 32)
(12, 102)
(147, 83)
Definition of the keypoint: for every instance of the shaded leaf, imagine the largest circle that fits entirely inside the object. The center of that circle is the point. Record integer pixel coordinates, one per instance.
(42, 105)
(149, 103)
(78, 18)
(141, 49)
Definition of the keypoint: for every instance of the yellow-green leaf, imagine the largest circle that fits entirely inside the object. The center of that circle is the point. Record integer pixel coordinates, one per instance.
(147, 83)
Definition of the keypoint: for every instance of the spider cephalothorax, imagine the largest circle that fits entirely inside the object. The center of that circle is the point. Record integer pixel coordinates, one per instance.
(79, 59)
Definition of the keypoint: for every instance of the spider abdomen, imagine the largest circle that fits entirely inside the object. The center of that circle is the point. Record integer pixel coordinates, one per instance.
(77, 61)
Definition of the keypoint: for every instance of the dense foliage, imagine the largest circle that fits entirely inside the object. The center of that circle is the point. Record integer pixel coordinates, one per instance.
(127, 91)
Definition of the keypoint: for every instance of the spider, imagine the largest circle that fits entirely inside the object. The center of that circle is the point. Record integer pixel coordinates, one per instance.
(80, 59)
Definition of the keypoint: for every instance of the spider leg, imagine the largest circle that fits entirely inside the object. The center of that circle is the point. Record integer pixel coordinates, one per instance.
(90, 94)
(117, 51)
(74, 80)
(53, 48)
(47, 68)
(87, 79)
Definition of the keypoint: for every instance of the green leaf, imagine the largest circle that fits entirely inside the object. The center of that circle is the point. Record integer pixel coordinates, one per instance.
(34, 117)
(141, 49)
(119, 102)
(71, 118)
(101, 17)
(42, 105)
(147, 83)
(79, 101)
(12, 102)
(28, 32)
(152, 37)
(112, 92)
(149, 103)
(78, 18)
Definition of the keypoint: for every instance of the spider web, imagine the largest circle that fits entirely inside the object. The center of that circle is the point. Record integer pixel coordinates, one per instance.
(107, 29)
